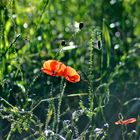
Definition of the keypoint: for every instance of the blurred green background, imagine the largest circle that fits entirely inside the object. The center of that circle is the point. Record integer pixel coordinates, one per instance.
(31, 32)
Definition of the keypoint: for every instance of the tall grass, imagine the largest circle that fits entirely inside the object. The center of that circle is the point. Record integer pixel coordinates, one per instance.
(105, 52)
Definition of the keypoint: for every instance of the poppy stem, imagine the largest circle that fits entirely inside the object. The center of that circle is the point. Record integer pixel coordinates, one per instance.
(59, 106)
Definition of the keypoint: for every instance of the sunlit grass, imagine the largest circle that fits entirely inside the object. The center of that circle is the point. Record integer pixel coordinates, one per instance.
(95, 95)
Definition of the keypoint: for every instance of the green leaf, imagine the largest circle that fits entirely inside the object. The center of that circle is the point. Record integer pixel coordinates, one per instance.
(106, 36)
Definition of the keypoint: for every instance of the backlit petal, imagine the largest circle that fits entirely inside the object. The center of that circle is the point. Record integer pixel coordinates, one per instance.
(71, 75)
(126, 122)
(53, 68)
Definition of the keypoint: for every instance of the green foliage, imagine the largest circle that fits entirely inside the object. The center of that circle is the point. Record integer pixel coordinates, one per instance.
(105, 52)
(107, 41)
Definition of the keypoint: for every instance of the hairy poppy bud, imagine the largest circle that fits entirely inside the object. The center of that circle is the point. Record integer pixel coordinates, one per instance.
(81, 25)
(63, 43)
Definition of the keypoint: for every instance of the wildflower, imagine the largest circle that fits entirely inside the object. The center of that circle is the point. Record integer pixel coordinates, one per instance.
(71, 75)
(126, 122)
(56, 68)
(53, 68)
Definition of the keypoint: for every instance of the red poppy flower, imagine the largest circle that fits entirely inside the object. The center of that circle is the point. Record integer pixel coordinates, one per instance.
(71, 75)
(53, 68)
(56, 68)
(126, 122)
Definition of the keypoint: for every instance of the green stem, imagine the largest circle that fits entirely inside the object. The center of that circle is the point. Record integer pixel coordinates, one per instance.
(59, 107)
(2, 99)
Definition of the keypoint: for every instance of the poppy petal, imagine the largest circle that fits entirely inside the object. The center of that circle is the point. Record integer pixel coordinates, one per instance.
(118, 122)
(71, 75)
(126, 122)
(131, 120)
(53, 68)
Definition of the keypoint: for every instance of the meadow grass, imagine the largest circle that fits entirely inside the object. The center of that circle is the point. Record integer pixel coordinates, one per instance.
(102, 46)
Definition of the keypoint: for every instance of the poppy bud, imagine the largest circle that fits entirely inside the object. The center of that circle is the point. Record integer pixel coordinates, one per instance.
(63, 43)
(99, 44)
(81, 25)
